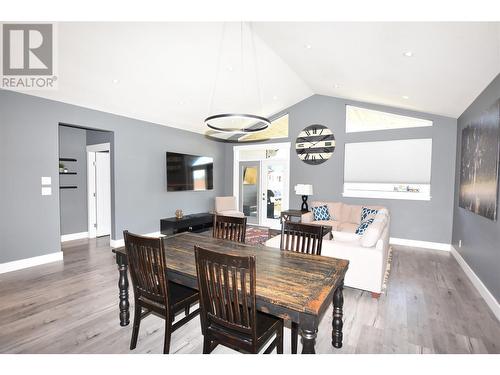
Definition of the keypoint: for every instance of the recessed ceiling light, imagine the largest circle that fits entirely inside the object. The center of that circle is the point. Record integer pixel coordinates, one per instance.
(275, 97)
(336, 86)
(405, 97)
(408, 54)
(230, 68)
(308, 46)
(115, 81)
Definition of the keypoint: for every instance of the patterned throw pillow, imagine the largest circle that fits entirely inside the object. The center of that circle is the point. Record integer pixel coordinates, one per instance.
(363, 226)
(321, 213)
(367, 213)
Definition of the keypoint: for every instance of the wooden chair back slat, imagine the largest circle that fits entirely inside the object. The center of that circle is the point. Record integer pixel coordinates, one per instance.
(230, 228)
(147, 265)
(303, 238)
(227, 292)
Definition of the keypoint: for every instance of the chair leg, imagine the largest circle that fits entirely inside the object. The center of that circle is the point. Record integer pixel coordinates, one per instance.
(168, 334)
(137, 324)
(186, 310)
(295, 337)
(207, 345)
(279, 340)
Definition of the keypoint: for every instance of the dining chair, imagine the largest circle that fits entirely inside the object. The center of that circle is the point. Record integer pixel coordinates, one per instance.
(302, 238)
(153, 292)
(230, 228)
(228, 305)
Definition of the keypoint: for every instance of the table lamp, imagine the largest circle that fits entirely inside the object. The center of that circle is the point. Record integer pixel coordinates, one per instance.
(305, 190)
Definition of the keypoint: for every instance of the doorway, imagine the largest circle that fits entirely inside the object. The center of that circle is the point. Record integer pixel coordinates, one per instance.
(99, 190)
(261, 182)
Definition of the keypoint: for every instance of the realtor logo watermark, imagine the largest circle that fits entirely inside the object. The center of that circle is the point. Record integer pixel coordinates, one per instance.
(28, 57)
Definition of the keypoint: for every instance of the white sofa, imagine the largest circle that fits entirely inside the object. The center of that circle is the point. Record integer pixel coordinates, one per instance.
(367, 253)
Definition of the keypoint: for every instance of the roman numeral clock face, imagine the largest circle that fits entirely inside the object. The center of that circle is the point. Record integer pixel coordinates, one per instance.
(315, 144)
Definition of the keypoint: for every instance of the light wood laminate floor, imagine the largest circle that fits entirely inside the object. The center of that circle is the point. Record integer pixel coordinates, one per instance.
(72, 307)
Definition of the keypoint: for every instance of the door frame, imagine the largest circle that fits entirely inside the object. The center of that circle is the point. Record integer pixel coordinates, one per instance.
(91, 204)
(261, 146)
(258, 191)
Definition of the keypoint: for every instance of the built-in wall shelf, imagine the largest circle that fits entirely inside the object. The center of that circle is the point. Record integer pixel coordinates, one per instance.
(67, 172)
(67, 159)
(68, 187)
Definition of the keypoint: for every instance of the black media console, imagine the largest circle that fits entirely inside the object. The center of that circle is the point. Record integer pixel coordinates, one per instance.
(189, 223)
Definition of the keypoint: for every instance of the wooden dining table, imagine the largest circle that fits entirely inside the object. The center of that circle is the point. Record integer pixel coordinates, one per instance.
(290, 285)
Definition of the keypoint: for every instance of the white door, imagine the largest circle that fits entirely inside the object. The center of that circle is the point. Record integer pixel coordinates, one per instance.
(274, 188)
(103, 193)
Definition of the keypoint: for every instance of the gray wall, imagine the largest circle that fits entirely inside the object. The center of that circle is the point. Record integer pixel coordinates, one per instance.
(415, 220)
(29, 222)
(73, 202)
(95, 137)
(480, 236)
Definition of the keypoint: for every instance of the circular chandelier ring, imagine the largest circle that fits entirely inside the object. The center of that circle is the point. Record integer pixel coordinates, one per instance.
(264, 120)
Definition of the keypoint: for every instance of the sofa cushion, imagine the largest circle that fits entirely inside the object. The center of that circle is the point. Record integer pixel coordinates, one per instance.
(225, 203)
(346, 237)
(368, 213)
(364, 226)
(348, 227)
(334, 208)
(321, 213)
(372, 234)
(234, 213)
(351, 214)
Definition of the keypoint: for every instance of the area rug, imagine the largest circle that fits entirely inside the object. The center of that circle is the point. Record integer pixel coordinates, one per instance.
(387, 271)
(253, 236)
(256, 235)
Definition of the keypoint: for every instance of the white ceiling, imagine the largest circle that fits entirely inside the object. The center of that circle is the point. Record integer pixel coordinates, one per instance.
(165, 72)
(451, 63)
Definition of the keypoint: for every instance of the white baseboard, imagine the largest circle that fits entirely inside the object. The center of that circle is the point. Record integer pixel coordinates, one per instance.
(30, 262)
(121, 243)
(422, 244)
(478, 284)
(74, 236)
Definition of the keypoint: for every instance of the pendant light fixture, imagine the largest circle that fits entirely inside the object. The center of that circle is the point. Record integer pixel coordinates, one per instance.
(237, 121)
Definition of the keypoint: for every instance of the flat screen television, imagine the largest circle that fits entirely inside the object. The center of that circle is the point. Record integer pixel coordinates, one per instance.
(189, 172)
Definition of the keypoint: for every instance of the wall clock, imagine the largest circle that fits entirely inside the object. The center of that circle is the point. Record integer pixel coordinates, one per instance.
(315, 144)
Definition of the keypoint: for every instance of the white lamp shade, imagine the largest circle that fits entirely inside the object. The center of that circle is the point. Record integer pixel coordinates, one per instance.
(303, 189)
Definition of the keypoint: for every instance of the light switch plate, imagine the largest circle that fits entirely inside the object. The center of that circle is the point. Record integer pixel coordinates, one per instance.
(46, 181)
(46, 190)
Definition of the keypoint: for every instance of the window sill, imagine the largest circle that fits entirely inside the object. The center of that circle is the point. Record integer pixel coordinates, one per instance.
(422, 196)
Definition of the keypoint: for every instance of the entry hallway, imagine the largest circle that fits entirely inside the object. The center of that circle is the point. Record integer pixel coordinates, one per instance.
(429, 306)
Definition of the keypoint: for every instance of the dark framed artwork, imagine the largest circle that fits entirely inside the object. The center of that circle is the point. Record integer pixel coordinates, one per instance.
(479, 164)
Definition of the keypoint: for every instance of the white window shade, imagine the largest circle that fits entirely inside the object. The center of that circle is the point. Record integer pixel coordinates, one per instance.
(389, 169)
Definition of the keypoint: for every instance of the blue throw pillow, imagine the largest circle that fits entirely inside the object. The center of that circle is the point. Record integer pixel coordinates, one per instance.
(321, 213)
(367, 213)
(363, 226)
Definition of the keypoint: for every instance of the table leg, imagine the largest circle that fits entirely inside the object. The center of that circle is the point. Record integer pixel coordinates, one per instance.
(338, 303)
(309, 332)
(123, 290)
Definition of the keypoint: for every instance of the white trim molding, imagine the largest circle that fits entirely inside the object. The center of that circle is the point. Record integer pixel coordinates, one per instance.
(115, 244)
(74, 236)
(478, 284)
(99, 147)
(30, 262)
(422, 244)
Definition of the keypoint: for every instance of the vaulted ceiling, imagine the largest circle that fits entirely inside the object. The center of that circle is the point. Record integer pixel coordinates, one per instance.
(165, 72)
